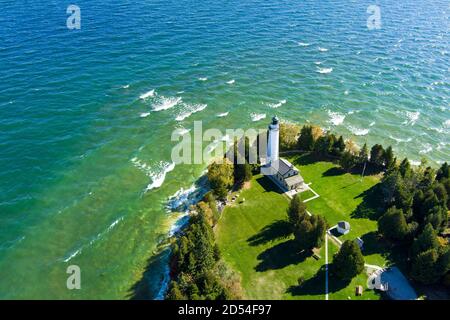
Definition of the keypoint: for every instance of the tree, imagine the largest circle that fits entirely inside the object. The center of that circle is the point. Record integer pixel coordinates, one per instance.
(242, 172)
(296, 211)
(310, 232)
(339, 147)
(443, 172)
(220, 176)
(174, 292)
(424, 268)
(324, 145)
(347, 161)
(389, 160)
(425, 241)
(306, 139)
(348, 262)
(377, 156)
(363, 156)
(289, 134)
(405, 168)
(393, 224)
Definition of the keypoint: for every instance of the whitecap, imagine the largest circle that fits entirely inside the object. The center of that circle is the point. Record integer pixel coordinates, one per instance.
(336, 118)
(223, 114)
(166, 103)
(323, 49)
(182, 131)
(426, 148)
(398, 140)
(324, 70)
(257, 116)
(346, 92)
(148, 94)
(73, 255)
(181, 200)
(412, 117)
(358, 131)
(144, 114)
(203, 79)
(231, 81)
(318, 63)
(159, 176)
(190, 109)
(372, 124)
(126, 86)
(303, 44)
(447, 123)
(277, 105)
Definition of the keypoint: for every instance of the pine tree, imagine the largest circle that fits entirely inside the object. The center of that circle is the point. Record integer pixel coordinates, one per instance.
(348, 262)
(306, 139)
(389, 160)
(425, 268)
(405, 168)
(425, 241)
(296, 211)
(377, 156)
(393, 224)
(443, 172)
(363, 156)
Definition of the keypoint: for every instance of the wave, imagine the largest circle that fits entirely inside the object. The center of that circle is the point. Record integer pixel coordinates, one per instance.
(358, 131)
(303, 44)
(398, 140)
(166, 103)
(203, 79)
(317, 63)
(447, 123)
(181, 200)
(148, 94)
(324, 70)
(323, 49)
(159, 177)
(126, 86)
(257, 116)
(336, 118)
(277, 105)
(412, 117)
(144, 114)
(93, 240)
(223, 114)
(372, 124)
(191, 109)
(426, 148)
(182, 131)
(231, 81)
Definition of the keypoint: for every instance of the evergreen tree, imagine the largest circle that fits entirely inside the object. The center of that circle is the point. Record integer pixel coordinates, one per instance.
(174, 292)
(348, 262)
(443, 172)
(425, 241)
(389, 160)
(221, 177)
(393, 224)
(377, 156)
(339, 147)
(405, 168)
(347, 161)
(363, 156)
(425, 268)
(306, 139)
(296, 211)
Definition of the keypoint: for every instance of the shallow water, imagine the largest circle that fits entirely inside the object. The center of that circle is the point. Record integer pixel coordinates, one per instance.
(86, 115)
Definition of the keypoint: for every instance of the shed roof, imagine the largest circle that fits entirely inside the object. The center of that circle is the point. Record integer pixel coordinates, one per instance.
(344, 225)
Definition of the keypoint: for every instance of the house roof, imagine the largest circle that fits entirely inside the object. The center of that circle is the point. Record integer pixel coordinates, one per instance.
(285, 168)
(344, 225)
(294, 180)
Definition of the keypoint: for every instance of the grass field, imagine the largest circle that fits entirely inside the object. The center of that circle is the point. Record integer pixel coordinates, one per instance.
(254, 240)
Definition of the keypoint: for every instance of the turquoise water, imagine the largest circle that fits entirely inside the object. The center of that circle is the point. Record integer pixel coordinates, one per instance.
(83, 156)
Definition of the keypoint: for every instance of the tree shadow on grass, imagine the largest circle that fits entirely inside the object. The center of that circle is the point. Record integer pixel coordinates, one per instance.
(276, 230)
(153, 278)
(268, 185)
(333, 172)
(280, 256)
(305, 159)
(371, 206)
(316, 285)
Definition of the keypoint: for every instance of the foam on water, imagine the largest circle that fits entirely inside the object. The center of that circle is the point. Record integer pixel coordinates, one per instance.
(190, 110)
(323, 49)
(324, 70)
(231, 81)
(223, 114)
(336, 118)
(158, 177)
(203, 79)
(426, 148)
(412, 117)
(166, 103)
(278, 104)
(257, 116)
(358, 131)
(304, 44)
(148, 94)
(144, 114)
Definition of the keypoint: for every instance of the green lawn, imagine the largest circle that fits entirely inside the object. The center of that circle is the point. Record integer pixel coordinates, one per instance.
(253, 240)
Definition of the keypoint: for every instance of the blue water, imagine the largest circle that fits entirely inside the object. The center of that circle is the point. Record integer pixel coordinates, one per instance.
(82, 156)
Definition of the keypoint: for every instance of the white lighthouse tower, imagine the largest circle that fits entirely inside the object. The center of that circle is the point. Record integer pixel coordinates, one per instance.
(273, 142)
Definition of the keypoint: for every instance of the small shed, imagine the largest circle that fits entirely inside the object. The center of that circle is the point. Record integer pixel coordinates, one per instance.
(343, 227)
(360, 243)
(359, 290)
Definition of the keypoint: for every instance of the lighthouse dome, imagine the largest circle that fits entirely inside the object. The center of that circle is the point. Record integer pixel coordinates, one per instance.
(275, 120)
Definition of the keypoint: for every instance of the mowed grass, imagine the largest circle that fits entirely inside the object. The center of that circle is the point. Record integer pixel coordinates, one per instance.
(254, 239)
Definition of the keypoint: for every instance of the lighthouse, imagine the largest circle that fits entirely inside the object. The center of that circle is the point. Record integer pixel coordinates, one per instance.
(283, 173)
(273, 141)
